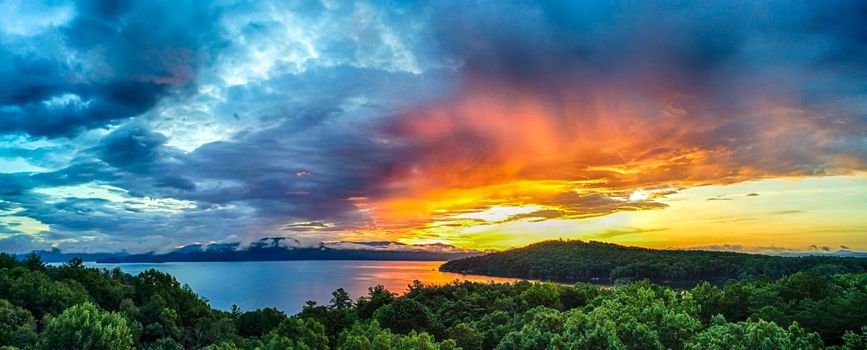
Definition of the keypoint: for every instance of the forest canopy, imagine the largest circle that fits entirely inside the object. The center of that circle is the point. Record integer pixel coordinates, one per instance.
(71, 306)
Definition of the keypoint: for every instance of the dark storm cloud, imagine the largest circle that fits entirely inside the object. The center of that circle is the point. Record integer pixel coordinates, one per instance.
(686, 44)
(115, 60)
(131, 145)
(17, 242)
(719, 51)
(176, 182)
(262, 168)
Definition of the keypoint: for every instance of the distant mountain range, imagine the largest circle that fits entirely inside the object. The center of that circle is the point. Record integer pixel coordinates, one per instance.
(275, 249)
(286, 248)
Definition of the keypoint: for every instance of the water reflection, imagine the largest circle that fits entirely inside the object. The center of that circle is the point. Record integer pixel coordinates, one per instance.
(286, 285)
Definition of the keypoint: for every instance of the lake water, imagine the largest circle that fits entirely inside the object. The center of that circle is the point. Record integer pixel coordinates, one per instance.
(286, 285)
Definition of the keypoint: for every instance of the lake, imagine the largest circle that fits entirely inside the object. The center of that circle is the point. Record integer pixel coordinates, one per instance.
(286, 285)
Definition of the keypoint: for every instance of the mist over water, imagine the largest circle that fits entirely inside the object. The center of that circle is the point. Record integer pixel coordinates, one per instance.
(287, 285)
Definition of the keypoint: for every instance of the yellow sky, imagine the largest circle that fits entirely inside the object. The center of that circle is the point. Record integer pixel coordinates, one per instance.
(763, 215)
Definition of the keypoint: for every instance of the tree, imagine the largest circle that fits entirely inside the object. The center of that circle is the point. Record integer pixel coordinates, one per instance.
(76, 262)
(164, 344)
(855, 341)
(222, 346)
(579, 295)
(259, 322)
(17, 326)
(404, 315)
(306, 333)
(542, 294)
(538, 327)
(370, 336)
(754, 335)
(377, 297)
(468, 338)
(340, 300)
(34, 262)
(38, 292)
(341, 314)
(634, 316)
(87, 327)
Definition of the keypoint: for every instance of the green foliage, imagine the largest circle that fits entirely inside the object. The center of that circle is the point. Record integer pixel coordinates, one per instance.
(754, 335)
(369, 336)
(17, 326)
(579, 295)
(156, 308)
(164, 344)
(106, 288)
(465, 336)
(377, 297)
(538, 327)
(828, 305)
(855, 341)
(404, 315)
(89, 308)
(340, 300)
(37, 292)
(258, 322)
(635, 316)
(542, 294)
(222, 346)
(301, 333)
(34, 262)
(84, 326)
(337, 316)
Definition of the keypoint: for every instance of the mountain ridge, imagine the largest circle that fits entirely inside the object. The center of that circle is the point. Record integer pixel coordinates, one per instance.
(275, 249)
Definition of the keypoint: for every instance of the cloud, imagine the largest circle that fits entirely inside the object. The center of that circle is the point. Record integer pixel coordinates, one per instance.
(329, 121)
(694, 97)
(744, 249)
(612, 233)
(107, 63)
(131, 145)
(395, 246)
(818, 248)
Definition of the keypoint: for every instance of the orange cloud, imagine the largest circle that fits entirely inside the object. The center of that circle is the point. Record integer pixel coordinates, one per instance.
(584, 153)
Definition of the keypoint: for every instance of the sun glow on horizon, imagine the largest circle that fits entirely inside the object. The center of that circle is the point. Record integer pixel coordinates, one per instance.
(762, 215)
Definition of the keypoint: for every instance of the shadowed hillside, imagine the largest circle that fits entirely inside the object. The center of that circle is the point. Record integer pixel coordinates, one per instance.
(573, 261)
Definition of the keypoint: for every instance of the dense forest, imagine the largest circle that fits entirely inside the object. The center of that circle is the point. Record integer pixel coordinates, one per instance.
(71, 306)
(578, 261)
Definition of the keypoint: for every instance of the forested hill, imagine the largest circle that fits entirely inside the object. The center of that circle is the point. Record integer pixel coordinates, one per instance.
(573, 261)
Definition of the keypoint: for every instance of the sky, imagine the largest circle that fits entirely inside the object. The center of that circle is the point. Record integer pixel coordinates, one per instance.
(147, 125)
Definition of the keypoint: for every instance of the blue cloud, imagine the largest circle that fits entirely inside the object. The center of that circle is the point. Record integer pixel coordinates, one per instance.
(107, 64)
